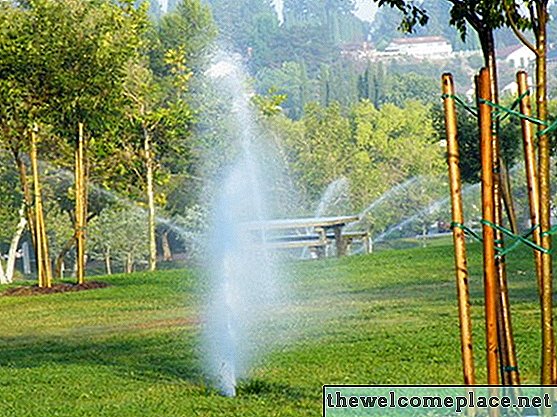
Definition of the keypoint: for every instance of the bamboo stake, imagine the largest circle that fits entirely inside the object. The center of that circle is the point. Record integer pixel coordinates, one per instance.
(79, 206)
(44, 241)
(459, 239)
(531, 169)
(502, 197)
(44, 272)
(488, 213)
(500, 266)
(532, 179)
(37, 196)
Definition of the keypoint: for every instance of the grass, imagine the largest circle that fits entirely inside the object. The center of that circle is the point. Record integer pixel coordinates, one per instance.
(133, 349)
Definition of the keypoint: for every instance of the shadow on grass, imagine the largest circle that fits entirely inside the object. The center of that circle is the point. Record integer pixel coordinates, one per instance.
(258, 386)
(153, 357)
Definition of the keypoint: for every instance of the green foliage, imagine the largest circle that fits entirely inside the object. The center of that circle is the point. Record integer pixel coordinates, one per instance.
(292, 81)
(269, 104)
(189, 27)
(119, 233)
(333, 18)
(240, 21)
(374, 149)
(10, 199)
(468, 136)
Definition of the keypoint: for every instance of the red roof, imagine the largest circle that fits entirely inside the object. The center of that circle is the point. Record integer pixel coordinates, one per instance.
(507, 50)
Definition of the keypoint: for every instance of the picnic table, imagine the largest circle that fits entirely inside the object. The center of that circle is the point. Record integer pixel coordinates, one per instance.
(321, 227)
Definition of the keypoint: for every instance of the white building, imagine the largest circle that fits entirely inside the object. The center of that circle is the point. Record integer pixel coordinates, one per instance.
(431, 47)
(359, 51)
(517, 56)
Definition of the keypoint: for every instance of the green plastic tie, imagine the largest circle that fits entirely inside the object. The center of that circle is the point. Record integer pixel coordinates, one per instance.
(462, 104)
(466, 230)
(550, 232)
(551, 128)
(518, 238)
(513, 112)
(514, 105)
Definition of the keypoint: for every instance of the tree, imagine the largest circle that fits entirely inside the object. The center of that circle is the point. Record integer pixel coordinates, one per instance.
(188, 26)
(238, 19)
(68, 71)
(291, 80)
(12, 218)
(158, 106)
(375, 149)
(160, 116)
(537, 19)
(118, 236)
(470, 161)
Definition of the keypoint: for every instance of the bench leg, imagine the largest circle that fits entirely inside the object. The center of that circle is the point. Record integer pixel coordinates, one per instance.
(367, 245)
(339, 240)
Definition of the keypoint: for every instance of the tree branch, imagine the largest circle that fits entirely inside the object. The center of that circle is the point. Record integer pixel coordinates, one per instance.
(517, 31)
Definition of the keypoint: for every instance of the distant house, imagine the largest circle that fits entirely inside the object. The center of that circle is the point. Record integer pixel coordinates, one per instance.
(363, 51)
(512, 87)
(431, 47)
(517, 56)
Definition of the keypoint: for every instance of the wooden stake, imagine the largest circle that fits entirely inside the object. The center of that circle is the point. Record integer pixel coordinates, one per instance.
(36, 192)
(531, 169)
(150, 199)
(532, 179)
(459, 239)
(488, 213)
(44, 242)
(79, 208)
(44, 274)
(502, 197)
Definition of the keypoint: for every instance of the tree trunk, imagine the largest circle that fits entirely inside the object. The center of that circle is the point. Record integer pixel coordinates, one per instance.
(10, 268)
(545, 197)
(58, 272)
(129, 263)
(166, 250)
(3, 279)
(27, 195)
(503, 179)
(151, 200)
(107, 262)
(501, 195)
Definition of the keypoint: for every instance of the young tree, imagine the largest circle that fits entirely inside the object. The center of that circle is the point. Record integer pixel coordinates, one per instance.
(12, 218)
(534, 14)
(64, 64)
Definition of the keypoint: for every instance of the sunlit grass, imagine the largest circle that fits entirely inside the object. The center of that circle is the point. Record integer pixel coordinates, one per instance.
(133, 349)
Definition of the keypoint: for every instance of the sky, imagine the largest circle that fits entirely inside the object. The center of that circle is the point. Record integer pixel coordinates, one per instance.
(366, 9)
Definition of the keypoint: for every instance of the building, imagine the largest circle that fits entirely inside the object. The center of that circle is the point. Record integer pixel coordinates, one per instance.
(517, 56)
(359, 51)
(430, 47)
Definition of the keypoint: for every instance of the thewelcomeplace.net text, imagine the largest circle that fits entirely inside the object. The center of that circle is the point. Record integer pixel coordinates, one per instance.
(456, 400)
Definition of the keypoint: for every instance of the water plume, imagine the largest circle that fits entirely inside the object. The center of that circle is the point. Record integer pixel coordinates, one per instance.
(244, 288)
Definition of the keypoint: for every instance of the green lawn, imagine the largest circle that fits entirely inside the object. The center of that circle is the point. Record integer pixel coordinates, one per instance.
(133, 349)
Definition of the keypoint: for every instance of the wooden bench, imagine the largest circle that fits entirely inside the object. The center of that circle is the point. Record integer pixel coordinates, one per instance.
(297, 241)
(362, 236)
(295, 233)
